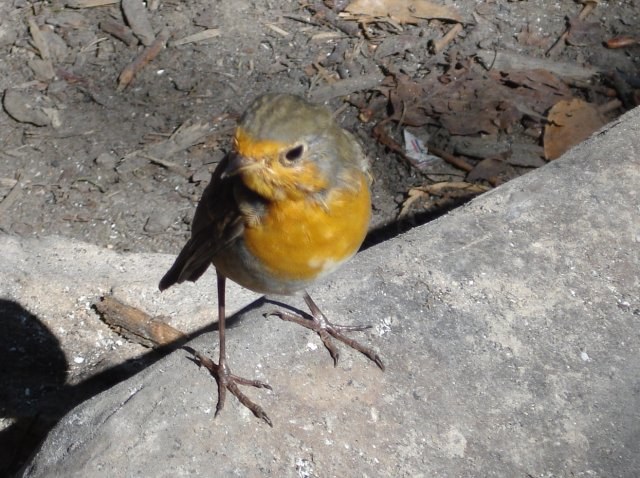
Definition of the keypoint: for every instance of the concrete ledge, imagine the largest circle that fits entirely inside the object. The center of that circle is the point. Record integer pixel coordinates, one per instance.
(510, 331)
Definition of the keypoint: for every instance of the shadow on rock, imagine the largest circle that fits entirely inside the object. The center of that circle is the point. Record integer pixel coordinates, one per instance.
(33, 371)
(33, 367)
(34, 394)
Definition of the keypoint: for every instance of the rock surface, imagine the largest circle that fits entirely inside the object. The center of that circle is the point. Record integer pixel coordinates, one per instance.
(509, 329)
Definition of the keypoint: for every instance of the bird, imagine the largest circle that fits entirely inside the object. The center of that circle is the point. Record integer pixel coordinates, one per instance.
(287, 206)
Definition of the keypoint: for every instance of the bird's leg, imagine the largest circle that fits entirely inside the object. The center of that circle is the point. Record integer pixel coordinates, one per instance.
(325, 329)
(225, 379)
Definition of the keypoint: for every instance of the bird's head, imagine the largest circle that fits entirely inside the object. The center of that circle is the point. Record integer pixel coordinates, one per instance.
(288, 148)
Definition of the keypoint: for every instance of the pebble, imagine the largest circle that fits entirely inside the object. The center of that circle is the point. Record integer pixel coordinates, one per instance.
(158, 222)
(24, 108)
(106, 160)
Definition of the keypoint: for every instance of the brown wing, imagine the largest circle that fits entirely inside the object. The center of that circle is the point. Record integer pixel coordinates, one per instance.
(216, 223)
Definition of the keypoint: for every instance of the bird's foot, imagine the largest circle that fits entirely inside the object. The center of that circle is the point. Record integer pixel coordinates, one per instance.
(227, 381)
(325, 329)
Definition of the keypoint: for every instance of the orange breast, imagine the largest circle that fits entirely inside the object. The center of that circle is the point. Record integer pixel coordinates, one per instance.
(299, 240)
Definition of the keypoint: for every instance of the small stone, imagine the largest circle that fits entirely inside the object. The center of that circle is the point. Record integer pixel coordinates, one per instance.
(42, 69)
(158, 222)
(57, 46)
(202, 174)
(54, 117)
(8, 34)
(106, 160)
(57, 87)
(24, 108)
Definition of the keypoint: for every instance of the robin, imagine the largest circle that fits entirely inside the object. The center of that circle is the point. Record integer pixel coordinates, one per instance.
(286, 207)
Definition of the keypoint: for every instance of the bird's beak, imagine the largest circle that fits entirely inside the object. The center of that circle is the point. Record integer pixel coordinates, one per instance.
(237, 163)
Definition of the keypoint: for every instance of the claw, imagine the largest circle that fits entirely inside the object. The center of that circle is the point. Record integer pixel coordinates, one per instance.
(227, 381)
(325, 329)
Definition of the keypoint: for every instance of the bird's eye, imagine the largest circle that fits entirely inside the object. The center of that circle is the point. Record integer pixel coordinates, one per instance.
(294, 153)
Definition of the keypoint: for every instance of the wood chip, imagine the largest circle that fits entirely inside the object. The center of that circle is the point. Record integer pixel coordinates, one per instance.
(90, 3)
(39, 40)
(198, 37)
(184, 137)
(441, 44)
(507, 61)
(621, 42)
(326, 36)
(8, 182)
(171, 166)
(42, 69)
(278, 30)
(401, 11)
(10, 198)
(119, 31)
(68, 19)
(346, 87)
(138, 19)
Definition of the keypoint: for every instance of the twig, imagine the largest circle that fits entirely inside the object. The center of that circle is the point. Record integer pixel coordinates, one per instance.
(451, 159)
(15, 152)
(119, 31)
(559, 44)
(504, 61)
(8, 182)
(623, 89)
(93, 182)
(138, 326)
(90, 46)
(277, 29)
(147, 55)
(341, 109)
(610, 106)
(176, 168)
(383, 138)
(11, 196)
(198, 37)
(347, 86)
(329, 17)
(457, 162)
(439, 45)
(90, 3)
(438, 189)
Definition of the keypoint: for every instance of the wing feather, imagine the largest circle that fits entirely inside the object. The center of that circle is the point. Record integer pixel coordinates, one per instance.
(216, 223)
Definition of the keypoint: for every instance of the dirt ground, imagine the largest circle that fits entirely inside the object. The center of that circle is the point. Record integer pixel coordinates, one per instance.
(91, 152)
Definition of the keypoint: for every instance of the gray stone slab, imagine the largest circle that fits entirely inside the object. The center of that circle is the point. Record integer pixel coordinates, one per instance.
(510, 331)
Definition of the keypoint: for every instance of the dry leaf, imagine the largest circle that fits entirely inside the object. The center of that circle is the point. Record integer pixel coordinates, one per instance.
(582, 33)
(446, 190)
(570, 122)
(402, 11)
(621, 42)
(487, 169)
